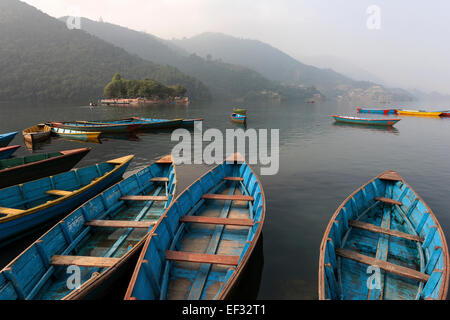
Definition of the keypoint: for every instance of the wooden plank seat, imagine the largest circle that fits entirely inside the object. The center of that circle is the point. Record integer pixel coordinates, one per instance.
(145, 198)
(377, 229)
(82, 261)
(389, 201)
(233, 179)
(218, 221)
(386, 266)
(234, 197)
(202, 258)
(391, 176)
(120, 224)
(159, 179)
(165, 160)
(59, 193)
(8, 211)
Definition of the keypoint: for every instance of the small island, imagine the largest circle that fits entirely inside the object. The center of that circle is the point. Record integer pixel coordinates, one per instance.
(148, 91)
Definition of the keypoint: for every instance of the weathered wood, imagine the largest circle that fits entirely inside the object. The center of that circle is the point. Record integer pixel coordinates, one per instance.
(165, 160)
(202, 258)
(120, 224)
(233, 179)
(60, 193)
(391, 175)
(234, 197)
(386, 266)
(374, 228)
(389, 201)
(10, 211)
(145, 198)
(159, 179)
(81, 261)
(218, 221)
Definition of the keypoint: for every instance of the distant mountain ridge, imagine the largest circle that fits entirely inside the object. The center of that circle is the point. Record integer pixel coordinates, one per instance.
(42, 60)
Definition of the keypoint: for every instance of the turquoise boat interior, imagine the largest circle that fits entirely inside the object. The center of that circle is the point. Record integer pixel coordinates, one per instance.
(203, 244)
(383, 243)
(92, 238)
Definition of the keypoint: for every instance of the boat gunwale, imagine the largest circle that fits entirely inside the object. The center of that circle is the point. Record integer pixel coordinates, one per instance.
(125, 160)
(445, 273)
(75, 125)
(243, 262)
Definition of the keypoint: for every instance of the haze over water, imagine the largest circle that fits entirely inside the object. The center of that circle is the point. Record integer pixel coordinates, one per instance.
(321, 163)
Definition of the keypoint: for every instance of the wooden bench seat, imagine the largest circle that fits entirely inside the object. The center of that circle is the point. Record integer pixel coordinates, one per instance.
(159, 179)
(120, 224)
(227, 197)
(386, 266)
(377, 229)
(202, 258)
(391, 176)
(145, 198)
(389, 201)
(218, 221)
(8, 211)
(82, 261)
(59, 193)
(233, 179)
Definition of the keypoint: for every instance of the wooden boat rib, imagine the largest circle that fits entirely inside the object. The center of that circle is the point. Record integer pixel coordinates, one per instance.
(201, 246)
(7, 152)
(76, 135)
(101, 238)
(21, 170)
(366, 121)
(386, 225)
(6, 138)
(419, 113)
(377, 111)
(237, 118)
(28, 206)
(37, 133)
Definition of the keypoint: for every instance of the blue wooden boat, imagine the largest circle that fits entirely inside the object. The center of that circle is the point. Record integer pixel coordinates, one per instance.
(366, 121)
(378, 111)
(7, 152)
(383, 243)
(142, 123)
(28, 206)
(184, 122)
(6, 138)
(200, 248)
(101, 238)
(238, 118)
(76, 135)
(110, 128)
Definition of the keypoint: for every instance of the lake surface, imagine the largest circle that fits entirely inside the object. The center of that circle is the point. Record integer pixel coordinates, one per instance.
(321, 163)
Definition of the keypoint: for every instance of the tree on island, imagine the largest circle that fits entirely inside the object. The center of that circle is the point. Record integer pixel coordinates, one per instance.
(147, 88)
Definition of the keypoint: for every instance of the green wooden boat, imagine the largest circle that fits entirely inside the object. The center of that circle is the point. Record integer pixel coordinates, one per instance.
(20, 170)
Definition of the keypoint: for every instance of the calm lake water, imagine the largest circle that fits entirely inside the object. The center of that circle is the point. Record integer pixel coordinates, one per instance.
(321, 163)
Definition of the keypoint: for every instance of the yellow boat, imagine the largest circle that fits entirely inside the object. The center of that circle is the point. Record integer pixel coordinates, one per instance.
(419, 113)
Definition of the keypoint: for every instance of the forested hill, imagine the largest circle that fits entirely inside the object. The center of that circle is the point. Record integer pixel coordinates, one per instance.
(224, 80)
(42, 60)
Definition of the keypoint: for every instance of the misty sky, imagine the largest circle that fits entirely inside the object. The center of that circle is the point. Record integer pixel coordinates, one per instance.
(411, 50)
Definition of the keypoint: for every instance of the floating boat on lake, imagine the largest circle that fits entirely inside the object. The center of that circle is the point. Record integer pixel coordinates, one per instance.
(97, 127)
(26, 207)
(419, 113)
(6, 138)
(37, 133)
(366, 121)
(76, 135)
(240, 111)
(238, 118)
(143, 123)
(20, 170)
(205, 239)
(7, 152)
(386, 226)
(376, 111)
(101, 238)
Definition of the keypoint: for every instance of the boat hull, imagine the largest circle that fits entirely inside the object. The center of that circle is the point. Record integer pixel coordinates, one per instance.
(419, 113)
(18, 226)
(369, 122)
(117, 128)
(238, 118)
(375, 111)
(201, 203)
(76, 135)
(6, 138)
(37, 133)
(7, 152)
(42, 168)
(383, 228)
